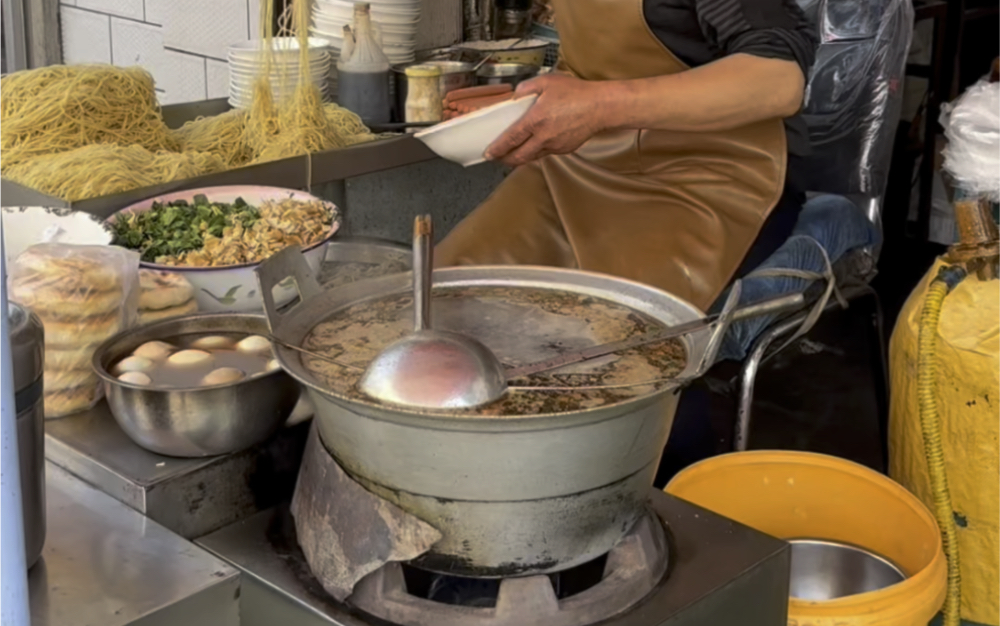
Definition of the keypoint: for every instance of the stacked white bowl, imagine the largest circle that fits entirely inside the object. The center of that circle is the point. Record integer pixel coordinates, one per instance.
(395, 24)
(246, 63)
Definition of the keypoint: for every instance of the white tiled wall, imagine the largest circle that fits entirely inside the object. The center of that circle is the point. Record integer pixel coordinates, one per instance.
(183, 42)
(185, 82)
(217, 78)
(125, 8)
(86, 37)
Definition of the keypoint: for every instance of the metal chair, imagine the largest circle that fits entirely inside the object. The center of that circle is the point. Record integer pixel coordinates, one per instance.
(853, 103)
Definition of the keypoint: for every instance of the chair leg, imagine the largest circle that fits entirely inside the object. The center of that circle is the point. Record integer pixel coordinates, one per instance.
(878, 351)
(748, 376)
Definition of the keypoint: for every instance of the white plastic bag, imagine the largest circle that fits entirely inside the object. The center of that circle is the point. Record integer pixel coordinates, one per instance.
(83, 295)
(972, 127)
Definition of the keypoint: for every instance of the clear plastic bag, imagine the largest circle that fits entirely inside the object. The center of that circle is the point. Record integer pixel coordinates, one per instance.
(972, 127)
(83, 295)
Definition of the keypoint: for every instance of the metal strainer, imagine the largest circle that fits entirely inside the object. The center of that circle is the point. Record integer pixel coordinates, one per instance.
(433, 369)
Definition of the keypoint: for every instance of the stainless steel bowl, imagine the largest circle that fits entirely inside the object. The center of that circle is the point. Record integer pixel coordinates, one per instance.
(826, 570)
(196, 422)
(499, 73)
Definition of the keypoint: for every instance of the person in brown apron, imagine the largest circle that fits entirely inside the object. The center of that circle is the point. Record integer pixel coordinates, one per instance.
(658, 172)
(664, 151)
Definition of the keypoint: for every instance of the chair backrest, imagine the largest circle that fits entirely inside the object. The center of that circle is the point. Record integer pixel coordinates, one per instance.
(854, 95)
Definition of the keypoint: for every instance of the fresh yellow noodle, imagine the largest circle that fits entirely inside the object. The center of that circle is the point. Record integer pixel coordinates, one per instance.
(58, 109)
(104, 169)
(85, 131)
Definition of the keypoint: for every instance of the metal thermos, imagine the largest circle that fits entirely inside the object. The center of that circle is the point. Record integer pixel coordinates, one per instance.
(27, 340)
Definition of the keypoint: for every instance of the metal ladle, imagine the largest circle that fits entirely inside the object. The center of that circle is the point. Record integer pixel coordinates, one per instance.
(433, 369)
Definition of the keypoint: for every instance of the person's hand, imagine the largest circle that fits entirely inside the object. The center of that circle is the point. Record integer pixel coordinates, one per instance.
(566, 114)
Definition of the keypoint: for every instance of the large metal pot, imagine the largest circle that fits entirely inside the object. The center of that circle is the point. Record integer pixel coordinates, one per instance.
(511, 495)
(27, 342)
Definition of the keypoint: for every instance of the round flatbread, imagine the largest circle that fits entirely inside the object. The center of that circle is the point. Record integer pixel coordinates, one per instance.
(58, 302)
(68, 401)
(189, 307)
(70, 334)
(57, 358)
(43, 264)
(61, 380)
(163, 290)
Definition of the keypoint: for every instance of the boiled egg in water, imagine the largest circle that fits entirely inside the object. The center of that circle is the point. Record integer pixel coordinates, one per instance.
(135, 378)
(212, 342)
(222, 376)
(190, 358)
(254, 344)
(154, 350)
(133, 364)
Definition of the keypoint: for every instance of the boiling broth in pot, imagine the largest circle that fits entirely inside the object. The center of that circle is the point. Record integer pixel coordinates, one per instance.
(520, 325)
(196, 360)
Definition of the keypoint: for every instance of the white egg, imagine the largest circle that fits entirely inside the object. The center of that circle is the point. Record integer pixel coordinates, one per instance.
(222, 376)
(273, 365)
(187, 358)
(154, 350)
(133, 364)
(135, 378)
(213, 342)
(254, 344)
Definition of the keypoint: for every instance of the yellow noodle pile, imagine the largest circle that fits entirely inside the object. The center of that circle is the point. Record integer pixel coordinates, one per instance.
(104, 169)
(85, 131)
(61, 108)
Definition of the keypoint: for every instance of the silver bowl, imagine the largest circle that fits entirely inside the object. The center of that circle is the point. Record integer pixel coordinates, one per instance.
(500, 73)
(196, 422)
(827, 570)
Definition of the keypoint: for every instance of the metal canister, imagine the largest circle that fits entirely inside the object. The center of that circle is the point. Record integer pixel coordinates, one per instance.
(27, 341)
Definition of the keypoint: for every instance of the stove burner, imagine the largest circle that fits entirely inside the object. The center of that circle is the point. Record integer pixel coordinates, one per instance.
(631, 571)
(482, 592)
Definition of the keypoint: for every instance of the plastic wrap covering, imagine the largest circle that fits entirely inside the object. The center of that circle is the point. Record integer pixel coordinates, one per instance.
(972, 127)
(832, 223)
(854, 95)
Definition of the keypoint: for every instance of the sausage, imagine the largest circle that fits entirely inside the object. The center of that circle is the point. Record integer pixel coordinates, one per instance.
(477, 92)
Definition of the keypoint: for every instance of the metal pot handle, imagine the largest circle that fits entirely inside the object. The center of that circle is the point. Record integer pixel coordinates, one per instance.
(289, 263)
(721, 325)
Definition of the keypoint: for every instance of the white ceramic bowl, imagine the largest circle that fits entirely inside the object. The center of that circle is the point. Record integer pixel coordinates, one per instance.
(25, 226)
(465, 139)
(234, 287)
(283, 48)
(333, 10)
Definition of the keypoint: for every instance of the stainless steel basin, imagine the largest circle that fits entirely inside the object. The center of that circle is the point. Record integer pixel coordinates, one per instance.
(826, 570)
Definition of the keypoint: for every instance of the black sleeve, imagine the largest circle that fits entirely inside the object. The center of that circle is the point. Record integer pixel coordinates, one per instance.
(776, 29)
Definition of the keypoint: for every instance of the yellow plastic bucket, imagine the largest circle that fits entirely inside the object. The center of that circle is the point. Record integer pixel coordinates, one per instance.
(803, 495)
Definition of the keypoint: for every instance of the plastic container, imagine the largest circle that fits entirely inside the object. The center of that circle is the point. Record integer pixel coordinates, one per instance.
(794, 495)
(363, 71)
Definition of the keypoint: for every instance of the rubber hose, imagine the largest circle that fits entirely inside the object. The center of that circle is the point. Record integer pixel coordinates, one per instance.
(930, 425)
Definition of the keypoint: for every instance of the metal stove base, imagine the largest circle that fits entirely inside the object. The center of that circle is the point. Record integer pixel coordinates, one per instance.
(720, 574)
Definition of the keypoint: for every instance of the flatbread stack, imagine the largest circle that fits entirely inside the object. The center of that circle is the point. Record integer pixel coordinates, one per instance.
(83, 295)
(164, 295)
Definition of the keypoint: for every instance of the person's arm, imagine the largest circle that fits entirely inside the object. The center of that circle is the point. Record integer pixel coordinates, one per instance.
(728, 93)
(762, 77)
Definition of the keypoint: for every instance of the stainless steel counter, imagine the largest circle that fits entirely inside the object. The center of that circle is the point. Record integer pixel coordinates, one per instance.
(106, 565)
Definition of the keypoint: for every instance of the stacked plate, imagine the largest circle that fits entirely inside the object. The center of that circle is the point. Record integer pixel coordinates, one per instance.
(246, 63)
(395, 24)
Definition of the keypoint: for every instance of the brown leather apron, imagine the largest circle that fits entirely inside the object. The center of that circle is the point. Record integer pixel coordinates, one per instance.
(675, 210)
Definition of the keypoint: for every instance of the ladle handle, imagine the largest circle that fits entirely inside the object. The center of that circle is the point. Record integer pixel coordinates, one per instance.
(423, 267)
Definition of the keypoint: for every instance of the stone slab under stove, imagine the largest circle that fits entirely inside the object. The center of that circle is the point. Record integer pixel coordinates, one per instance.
(191, 497)
(720, 574)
